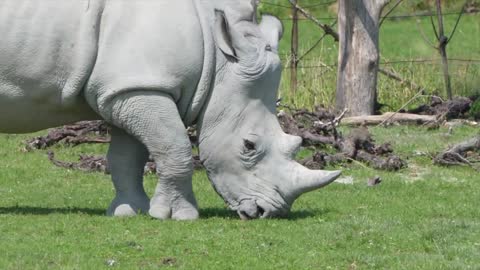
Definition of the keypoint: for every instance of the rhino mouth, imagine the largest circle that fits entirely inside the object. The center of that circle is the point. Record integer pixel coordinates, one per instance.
(248, 203)
(249, 209)
(251, 212)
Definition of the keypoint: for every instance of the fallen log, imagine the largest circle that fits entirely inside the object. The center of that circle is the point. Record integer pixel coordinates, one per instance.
(388, 118)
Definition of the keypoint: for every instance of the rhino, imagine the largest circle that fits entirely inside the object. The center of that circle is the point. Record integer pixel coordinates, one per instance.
(150, 69)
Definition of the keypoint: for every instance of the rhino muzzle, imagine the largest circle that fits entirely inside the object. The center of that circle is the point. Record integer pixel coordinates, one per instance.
(276, 202)
(249, 209)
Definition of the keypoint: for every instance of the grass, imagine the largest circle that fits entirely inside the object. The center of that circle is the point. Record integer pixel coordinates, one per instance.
(424, 217)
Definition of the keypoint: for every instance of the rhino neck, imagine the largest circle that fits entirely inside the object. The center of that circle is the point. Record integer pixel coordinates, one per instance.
(197, 103)
(220, 109)
(213, 59)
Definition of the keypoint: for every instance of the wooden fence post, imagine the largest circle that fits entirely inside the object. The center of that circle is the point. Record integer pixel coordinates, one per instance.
(442, 47)
(294, 50)
(358, 59)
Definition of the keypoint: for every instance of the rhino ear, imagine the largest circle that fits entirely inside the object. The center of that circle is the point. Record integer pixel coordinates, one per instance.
(222, 35)
(272, 29)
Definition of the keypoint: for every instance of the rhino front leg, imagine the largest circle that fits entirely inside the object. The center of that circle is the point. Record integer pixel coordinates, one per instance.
(153, 119)
(126, 158)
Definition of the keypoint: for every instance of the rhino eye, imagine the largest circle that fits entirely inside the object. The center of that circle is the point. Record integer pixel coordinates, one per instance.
(249, 145)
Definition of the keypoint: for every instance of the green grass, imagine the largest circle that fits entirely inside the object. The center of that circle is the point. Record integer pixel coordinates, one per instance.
(424, 217)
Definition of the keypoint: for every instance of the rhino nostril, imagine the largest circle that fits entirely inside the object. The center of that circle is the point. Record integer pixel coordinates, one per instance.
(260, 211)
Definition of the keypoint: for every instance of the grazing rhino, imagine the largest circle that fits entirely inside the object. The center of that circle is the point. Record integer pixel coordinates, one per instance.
(150, 68)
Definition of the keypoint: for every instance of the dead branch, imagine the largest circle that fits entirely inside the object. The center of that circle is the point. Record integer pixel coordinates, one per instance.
(86, 163)
(393, 75)
(358, 147)
(75, 134)
(320, 125)
(328, 30)
(424, 36)
(403, 106)
(320, 132)
(91, 163)
(89, 132)
(389, 12)
(460, 154)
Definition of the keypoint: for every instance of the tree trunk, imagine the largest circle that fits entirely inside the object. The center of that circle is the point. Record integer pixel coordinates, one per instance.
(358, 56)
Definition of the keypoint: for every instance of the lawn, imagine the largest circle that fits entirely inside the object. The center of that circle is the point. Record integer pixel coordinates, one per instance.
(423, 217)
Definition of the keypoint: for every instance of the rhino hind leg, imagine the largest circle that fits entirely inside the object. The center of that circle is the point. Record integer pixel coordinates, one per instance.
(153, 119)
(127, 158)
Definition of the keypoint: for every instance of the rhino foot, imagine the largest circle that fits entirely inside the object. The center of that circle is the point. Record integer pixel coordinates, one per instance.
(186, 214)
(122, 207)
(178, 209)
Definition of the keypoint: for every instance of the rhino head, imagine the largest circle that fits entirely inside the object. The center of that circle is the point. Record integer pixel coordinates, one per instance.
(248, 158)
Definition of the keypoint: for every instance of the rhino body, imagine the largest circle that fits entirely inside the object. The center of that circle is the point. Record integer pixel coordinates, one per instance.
(58, 58)
(150, 68)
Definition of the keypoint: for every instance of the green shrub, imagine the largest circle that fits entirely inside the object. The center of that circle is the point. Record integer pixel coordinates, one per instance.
(475, 109)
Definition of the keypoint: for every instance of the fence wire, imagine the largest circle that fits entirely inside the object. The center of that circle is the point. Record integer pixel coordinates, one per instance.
(390, 63)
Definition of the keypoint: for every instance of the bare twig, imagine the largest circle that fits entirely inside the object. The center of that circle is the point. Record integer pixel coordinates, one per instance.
(390, 11)
(433, 26)
(393, 75)
(419, 93)
(316, 43)
(424, 36)
(329, 30)
(334, 123)
(458, 21)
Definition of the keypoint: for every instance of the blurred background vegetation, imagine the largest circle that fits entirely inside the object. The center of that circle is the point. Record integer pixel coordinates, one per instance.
(402, 47)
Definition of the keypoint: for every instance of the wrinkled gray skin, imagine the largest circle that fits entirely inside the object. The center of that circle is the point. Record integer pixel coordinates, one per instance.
(150, 68)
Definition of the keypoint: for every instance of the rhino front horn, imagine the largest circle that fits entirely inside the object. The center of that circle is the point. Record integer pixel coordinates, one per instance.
(305, 180)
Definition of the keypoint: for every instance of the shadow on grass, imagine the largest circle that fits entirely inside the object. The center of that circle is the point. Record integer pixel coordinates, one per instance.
(226, 213)
(29, 210)
(204, 212)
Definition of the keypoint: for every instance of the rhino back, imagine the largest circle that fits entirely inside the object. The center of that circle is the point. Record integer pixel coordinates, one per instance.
(147, 46)
(47, 52)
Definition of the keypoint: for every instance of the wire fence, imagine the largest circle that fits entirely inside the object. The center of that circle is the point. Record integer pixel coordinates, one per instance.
(387, 63)
(298, 61)
(391, 18)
